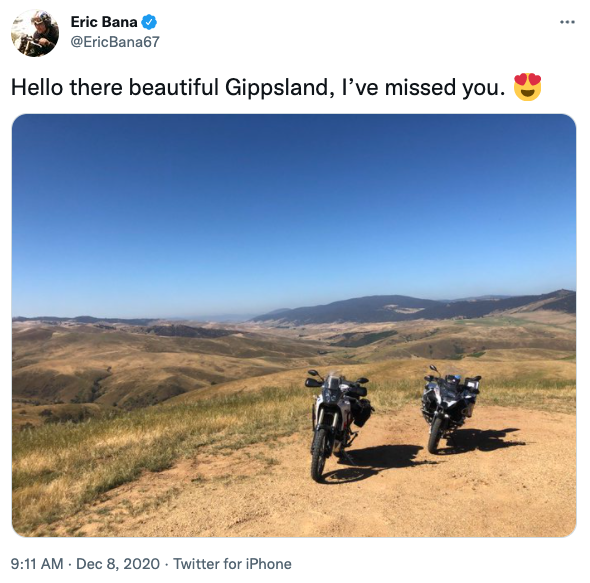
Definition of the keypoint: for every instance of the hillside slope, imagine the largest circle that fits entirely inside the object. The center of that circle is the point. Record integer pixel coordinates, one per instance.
(118, 368)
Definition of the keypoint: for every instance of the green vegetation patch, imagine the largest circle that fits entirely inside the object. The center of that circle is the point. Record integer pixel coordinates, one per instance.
(495, 321)
(356, 340)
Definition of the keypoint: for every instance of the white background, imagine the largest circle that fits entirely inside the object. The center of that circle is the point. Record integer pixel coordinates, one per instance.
(307, 41)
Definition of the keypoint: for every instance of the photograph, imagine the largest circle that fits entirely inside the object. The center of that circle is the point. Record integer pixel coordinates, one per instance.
(34, 33)
(264, 325)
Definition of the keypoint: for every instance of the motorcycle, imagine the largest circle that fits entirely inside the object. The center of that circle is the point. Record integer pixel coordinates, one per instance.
(27, 46)
(340, 404)
(446, 404)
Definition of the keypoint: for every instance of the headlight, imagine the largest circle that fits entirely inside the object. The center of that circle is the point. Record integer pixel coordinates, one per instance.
(331, 396)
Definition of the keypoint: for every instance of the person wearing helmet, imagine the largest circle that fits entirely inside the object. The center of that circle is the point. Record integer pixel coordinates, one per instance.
(46, 32)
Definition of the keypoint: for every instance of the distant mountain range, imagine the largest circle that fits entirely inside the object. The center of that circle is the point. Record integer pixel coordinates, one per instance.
(370, 309)
(88, 320)
(135, 321)
(373, 309)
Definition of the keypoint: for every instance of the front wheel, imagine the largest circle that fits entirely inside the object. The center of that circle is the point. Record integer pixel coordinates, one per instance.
(436, 432)
(318, 454)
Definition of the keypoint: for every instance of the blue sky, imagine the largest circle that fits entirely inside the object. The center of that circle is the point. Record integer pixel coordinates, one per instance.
(163, 216)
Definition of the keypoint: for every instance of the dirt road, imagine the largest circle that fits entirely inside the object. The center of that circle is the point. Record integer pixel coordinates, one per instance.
(511, 473)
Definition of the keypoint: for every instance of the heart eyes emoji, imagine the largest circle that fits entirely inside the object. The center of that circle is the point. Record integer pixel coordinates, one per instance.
(527, 86)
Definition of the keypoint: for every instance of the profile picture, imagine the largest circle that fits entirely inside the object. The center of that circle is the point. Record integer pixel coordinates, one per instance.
(35, 33)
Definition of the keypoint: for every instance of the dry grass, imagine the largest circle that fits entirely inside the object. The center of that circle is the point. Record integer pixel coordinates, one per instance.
(59, 468)
(555, 395)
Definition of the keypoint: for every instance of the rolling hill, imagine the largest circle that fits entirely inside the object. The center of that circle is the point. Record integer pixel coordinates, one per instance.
(140, 366)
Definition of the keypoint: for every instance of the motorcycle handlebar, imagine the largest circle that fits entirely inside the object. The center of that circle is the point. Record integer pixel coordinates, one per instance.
(30, 40)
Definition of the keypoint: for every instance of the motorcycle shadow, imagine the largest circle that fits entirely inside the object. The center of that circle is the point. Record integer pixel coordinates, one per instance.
(370, 461)
(466, 440)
